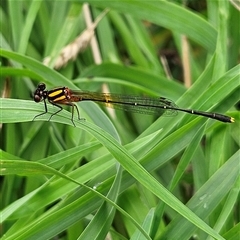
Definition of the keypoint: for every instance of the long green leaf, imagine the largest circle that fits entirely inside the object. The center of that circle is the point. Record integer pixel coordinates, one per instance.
(133, 167)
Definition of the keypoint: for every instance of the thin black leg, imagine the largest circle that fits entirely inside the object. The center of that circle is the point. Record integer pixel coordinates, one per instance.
(46, 110)
(53, 103)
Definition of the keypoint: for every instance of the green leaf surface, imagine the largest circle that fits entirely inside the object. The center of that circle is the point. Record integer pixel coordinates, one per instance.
(168, 15)
(167, 177)
(137, 171)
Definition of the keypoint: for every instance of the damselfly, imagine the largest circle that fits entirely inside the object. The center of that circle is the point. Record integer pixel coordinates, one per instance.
(132, 103)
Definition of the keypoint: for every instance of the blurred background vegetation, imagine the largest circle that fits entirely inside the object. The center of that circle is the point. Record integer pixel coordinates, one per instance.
(186, 51)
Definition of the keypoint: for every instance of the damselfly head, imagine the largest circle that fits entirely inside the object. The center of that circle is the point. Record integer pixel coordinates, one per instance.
(39, 93)
(41, 86)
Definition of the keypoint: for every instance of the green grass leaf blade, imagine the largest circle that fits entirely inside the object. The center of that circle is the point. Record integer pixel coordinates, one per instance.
(137, 171)
(207, 197)
(168, 15)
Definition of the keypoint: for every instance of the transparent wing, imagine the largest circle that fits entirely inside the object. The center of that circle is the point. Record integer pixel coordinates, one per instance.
(131, 103)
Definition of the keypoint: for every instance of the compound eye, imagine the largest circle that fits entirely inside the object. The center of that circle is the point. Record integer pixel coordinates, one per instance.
(41, 86)
(37, 98)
